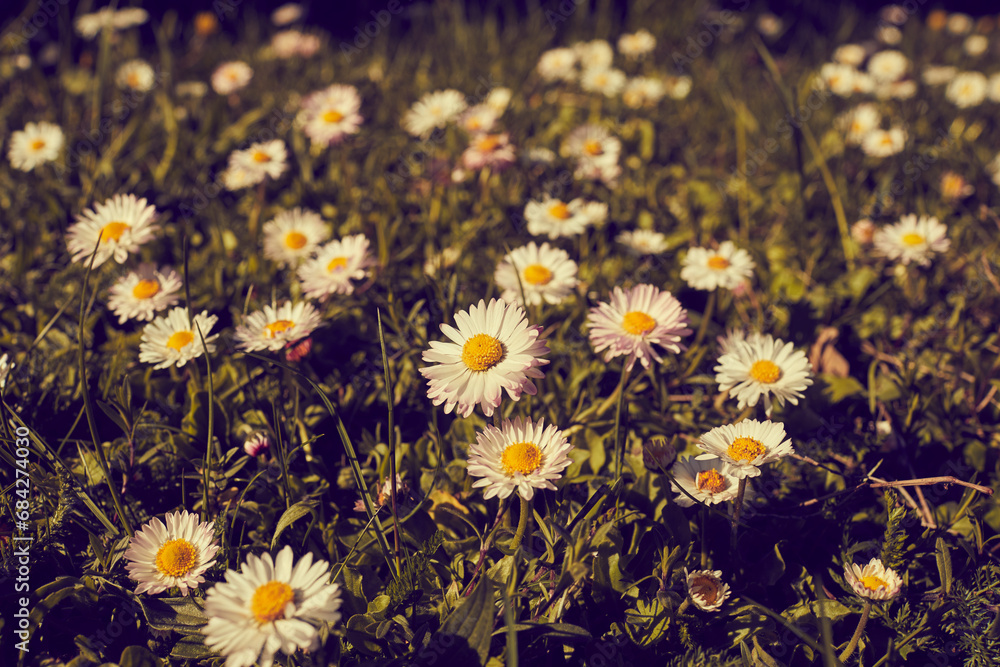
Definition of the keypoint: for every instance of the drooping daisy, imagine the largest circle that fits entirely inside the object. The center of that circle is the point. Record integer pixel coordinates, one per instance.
(270, 606)
(338, 263)
(254, 164)
(173, 340)
(140, 294)
(888, 66)
(745, 446)
(257, 444)
(136, 75)
(433, 110)
(883, 143)
(706, 589)
(492, 349)
(725, 267)
(292, 236)
(874, 581)
(36, 144)
(123, 223)
(710, 482)
(277, 328)
(231, 76)
(912, 239)
(635, 320)
(608, 82)
(767, 367)
(636, 44)
(177, 554)
(521, 456)
(968, 89)
(546, 274)
(329, 115)
(557, 65)
(643, 241)
(489, 150)
(554, 218)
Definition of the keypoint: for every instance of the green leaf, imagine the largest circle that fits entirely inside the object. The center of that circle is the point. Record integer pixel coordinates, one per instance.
(471, 622)
(138, 656)
(192, 647)
(290, 516)
(838, 388)
(184, 615)
(562, 630)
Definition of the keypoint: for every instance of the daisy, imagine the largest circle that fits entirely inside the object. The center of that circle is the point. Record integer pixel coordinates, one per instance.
(912, 239)
(874, 581)
(136, 75)
(678, 87)
(764, 367)
(488, 150)
(706, 589)
(492, 349)
(123, 223)
(726, 267)
(954, 187)
(888, 66)
(478, 119)
(850, 54)
(657, 454)
(254, 164)
(36, 144)
(637, 44)
(270, 605)
(838, 78)
(883, 143)
(520, 456)
(595, 54)
(231, 76)
(338, 263)
(89, 25)
(433, 110)
(634, 321)
(290, 43)
(141, 293)
(643, 242)
(643, 91)
(287, 13)
(859, 122)
(863, 231)
(608, 82)
(172, 340)
(993, 87)
(976, 45)
(277, 328)
(959, 24)
(557, 65)
(592, 142)
(329, 115)
(745, 446)
(546, 274)
(728, 342)
(968, 89)
(898, 90)
(498, 99)
(710, 482)
(176, 555)
(556, 218)
(292, 236)
(257, 444)
(938, 75)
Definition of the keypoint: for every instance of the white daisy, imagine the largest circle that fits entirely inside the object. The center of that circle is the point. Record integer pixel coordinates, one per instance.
(643, 242)
(231, 76)
(608, 82)
(36, 144)
(139, 294)
(136, 75)
(859, 122)
(492, 349)
(557, 65)
(254, 164)
(874, 581)
(175, 555)
(546, 274)
(292, 236)
(884, 143)
(959, 24)
(725, 267)
(277, 328)
(728, 342)
(912, 239)
(498, 99)
(710, 482)
(838, 78)
(637, 44)
(976, 45)
(89, 25)
(764, 367)
(643, 91)
(678, 87)
(993, 87)
(478, 119)
(595, 54)
(745, 446)
(888, 66)
(938, 75)
(488, 150)
(270, 606)
(954, 186)
(596, 152)
(287, 13)
(863, 231)
(290, 43)
(555, 218)
(123, 223)
(173, 340)
(634, 321)
(850, 54)
(338, 263)
(888, 34)
(706, 589)
(968, 89)
(433, 110)
(520, 456)
(328, 115)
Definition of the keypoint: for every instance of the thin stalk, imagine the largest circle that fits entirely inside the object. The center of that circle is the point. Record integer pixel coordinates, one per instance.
(207, 466)
(522, 523)
(705, 318)
(740, 492)
(391, 435)
(857, 632)
(619, 447)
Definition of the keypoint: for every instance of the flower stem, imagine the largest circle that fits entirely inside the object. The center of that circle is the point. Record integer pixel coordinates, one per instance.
(857, 632)
(522, 523)
(741, 490)
(705, 318)
(619, 446)
(684, 606)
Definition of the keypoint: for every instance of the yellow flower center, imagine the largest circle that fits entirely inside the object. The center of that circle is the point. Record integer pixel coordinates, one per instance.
(705, 587)
(295, 240)
(132, 80)
(178, 340)
(601, 79)
(482, 352)
(559, 210)
(536, 274)
(912, 239)
(765, 371)
(718, 262)
(745, 449)
(37, 144)
(522, 457)
(261, 156)
(337, 264)
(952, 186)
(873, 583)
(473, 124)
(113, 231)
(711, 481)
(333, 116)
(277, 327)
(638, 323)
(592, 147)
(269, 601)
(887, 140)
(176, 558)
(488, 143)
(146, 289)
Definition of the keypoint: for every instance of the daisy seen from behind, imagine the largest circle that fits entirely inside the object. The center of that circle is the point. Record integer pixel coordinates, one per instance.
(519, 456)
(293, 236)
(275, 328)
(745, 446)
(173, 340)
(912, 239)
(270, 605)
(140, 294)
(36, 144)
(338, 263)
(725, 267)
(764, 366)
(633, 321)
(177, 554)
(123, 224)
(492, 349)
(543, 273)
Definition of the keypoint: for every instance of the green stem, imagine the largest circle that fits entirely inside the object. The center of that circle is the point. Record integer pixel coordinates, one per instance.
(857, 632)
(684, 606)
(739, 507)
(705, 318)
(618, 422)
(522, 523)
